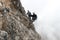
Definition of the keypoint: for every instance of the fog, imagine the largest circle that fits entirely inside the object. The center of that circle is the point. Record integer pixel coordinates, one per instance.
(48, 21)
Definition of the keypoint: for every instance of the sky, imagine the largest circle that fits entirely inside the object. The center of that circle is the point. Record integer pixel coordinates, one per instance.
(48, 21)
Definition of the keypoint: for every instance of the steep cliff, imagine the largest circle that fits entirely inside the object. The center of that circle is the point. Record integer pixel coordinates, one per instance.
(14, 24)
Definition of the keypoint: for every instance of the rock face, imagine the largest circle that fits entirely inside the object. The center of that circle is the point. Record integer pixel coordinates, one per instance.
(14, 24)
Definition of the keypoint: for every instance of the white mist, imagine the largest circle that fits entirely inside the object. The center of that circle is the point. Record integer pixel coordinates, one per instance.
(48, 12)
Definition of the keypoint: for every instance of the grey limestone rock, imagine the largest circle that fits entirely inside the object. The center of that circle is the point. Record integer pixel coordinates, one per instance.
(14, 24)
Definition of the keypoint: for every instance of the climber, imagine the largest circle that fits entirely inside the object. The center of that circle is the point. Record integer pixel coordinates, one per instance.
(32, 17)
(29, 15)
